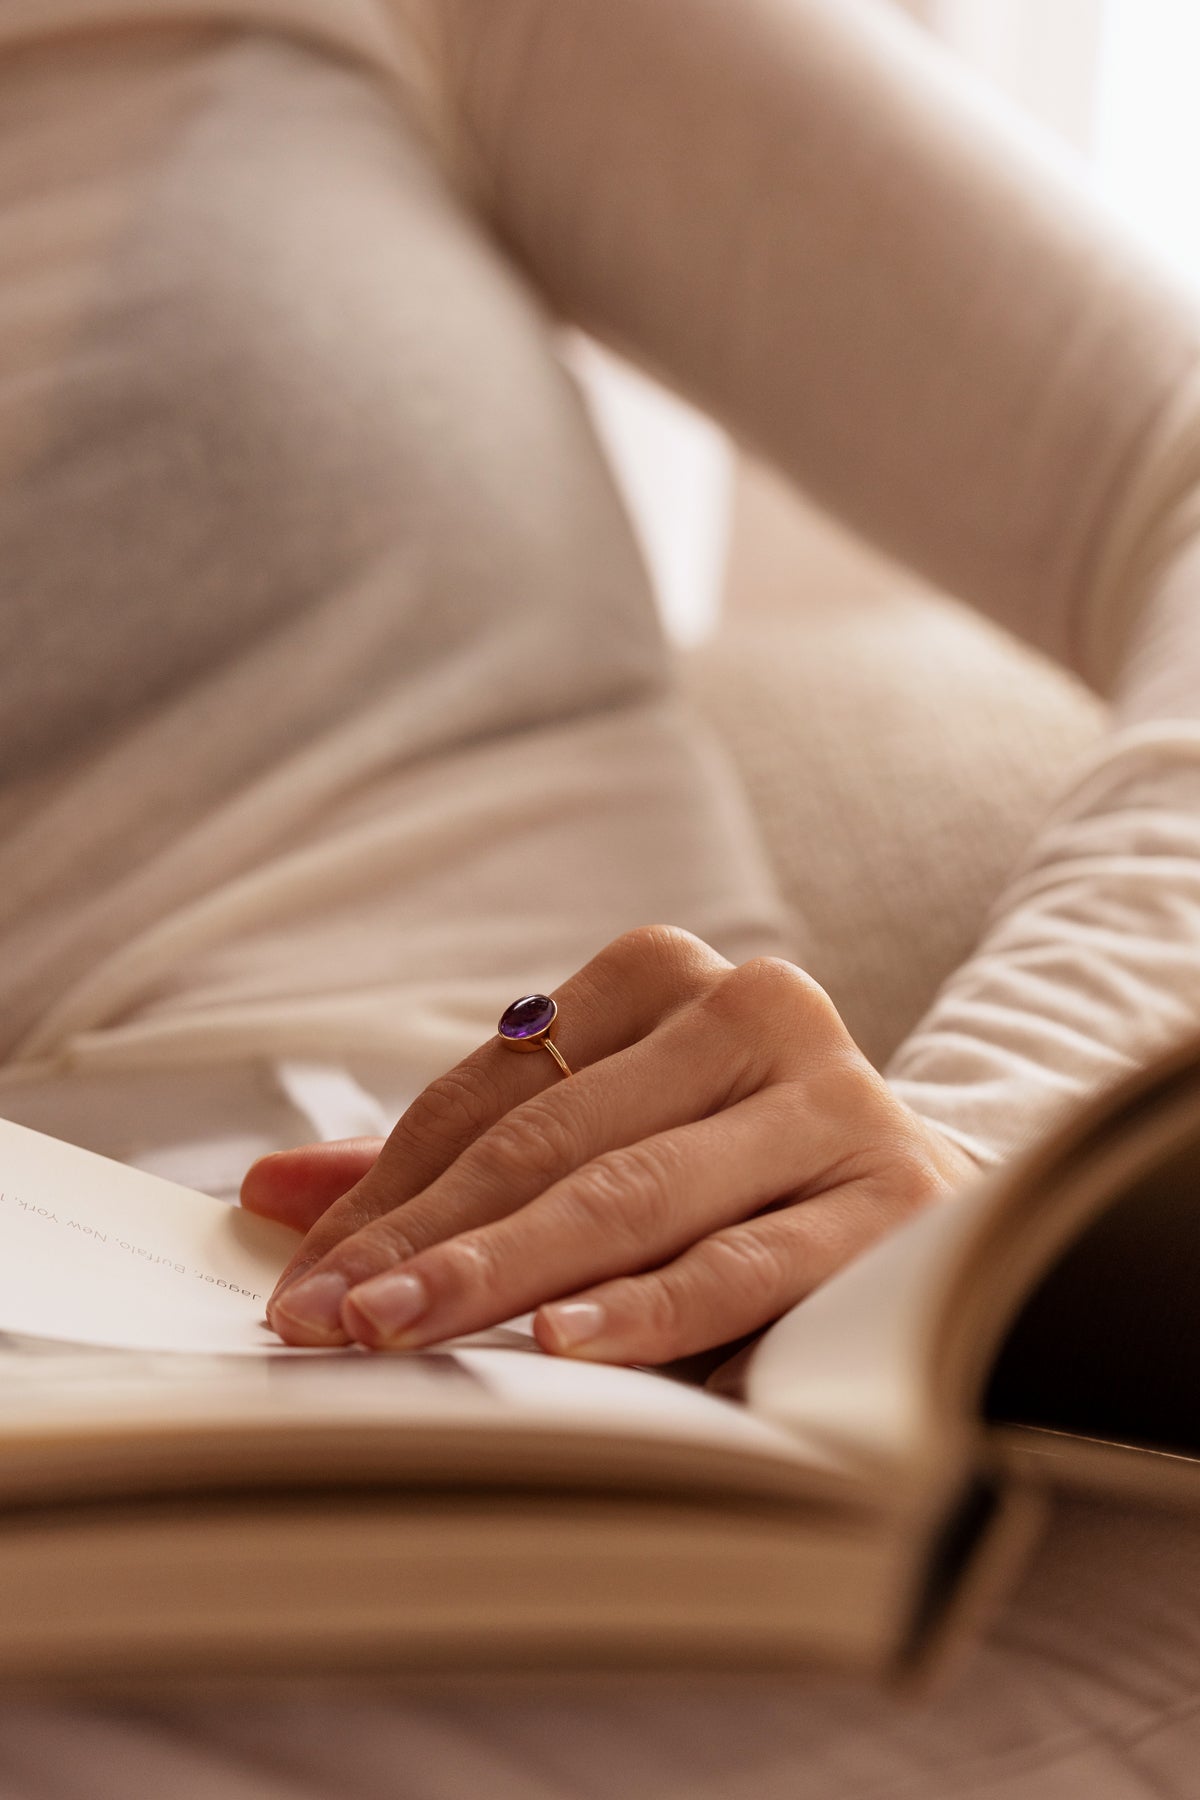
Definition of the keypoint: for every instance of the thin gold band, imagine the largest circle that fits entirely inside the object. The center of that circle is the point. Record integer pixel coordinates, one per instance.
(557, 1054)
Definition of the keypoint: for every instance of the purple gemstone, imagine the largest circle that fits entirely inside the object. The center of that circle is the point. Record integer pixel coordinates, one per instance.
(527, 1017)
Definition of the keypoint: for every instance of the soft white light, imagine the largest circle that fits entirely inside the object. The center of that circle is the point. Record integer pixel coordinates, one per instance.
(674, 469)
(1146, 132)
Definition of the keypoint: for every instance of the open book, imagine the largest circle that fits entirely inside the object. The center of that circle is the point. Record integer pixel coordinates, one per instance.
(179, 1494)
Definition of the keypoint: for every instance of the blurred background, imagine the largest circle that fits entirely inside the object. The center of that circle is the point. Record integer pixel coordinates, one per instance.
(1114, 79)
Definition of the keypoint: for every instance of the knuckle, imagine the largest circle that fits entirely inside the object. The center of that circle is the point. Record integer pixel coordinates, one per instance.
(666, 947)
(351, 1220)
(748, 1263)
(468, 1266)
(371, 1250)
(894, 1175)
(392, 1235)
(661, 1313)
(451, 1110)
(648, 1172)
(613, 1195)
(533, 1142)
(843, 1086)
(911, 1180)
(770, 982)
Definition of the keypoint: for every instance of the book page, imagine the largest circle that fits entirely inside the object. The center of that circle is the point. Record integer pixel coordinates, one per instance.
(98, 1259)
(1058, 1291)
(97, 1255)
(848, 1366)
(93, 1252)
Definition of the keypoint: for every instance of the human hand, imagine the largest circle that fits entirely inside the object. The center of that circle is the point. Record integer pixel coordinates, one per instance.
(722, 1147)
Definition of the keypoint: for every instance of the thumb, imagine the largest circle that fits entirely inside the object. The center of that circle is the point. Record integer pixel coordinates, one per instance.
(294, 1187)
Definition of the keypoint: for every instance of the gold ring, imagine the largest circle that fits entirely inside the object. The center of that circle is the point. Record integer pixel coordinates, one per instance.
(527, 1024)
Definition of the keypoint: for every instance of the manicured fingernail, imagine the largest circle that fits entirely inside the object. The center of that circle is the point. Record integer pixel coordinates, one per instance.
(575, 1322)
(388, 1305)
(313, 1305)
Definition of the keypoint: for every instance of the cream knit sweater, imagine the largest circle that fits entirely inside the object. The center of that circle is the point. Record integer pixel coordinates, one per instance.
(332, 710)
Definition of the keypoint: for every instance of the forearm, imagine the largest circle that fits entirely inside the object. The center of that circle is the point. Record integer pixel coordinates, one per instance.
(1092, 957)
(787, 208)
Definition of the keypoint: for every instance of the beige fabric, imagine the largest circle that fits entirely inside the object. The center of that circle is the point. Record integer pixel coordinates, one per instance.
(911, 309)
(287, 454)
(303, 531)
(890, 859)
(334, 708)
(919, 316)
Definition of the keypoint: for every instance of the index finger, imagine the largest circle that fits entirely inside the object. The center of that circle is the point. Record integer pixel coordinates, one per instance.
(612, 1002)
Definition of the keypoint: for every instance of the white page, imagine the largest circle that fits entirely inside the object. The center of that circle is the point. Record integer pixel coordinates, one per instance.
(849, 1366)
(93, 1252)
(96, 1254)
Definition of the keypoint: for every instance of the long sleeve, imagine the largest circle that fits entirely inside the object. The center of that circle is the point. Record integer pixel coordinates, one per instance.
(1091, 957)
(789, 210)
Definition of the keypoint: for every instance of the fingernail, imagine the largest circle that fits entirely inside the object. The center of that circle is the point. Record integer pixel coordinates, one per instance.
(575, 1322)
(314, 1304)
(389, 1304)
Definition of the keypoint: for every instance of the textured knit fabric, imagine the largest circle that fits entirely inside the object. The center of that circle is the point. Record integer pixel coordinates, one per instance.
(332, 706)
(921, 318)
(335, 709)
(889, 859)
